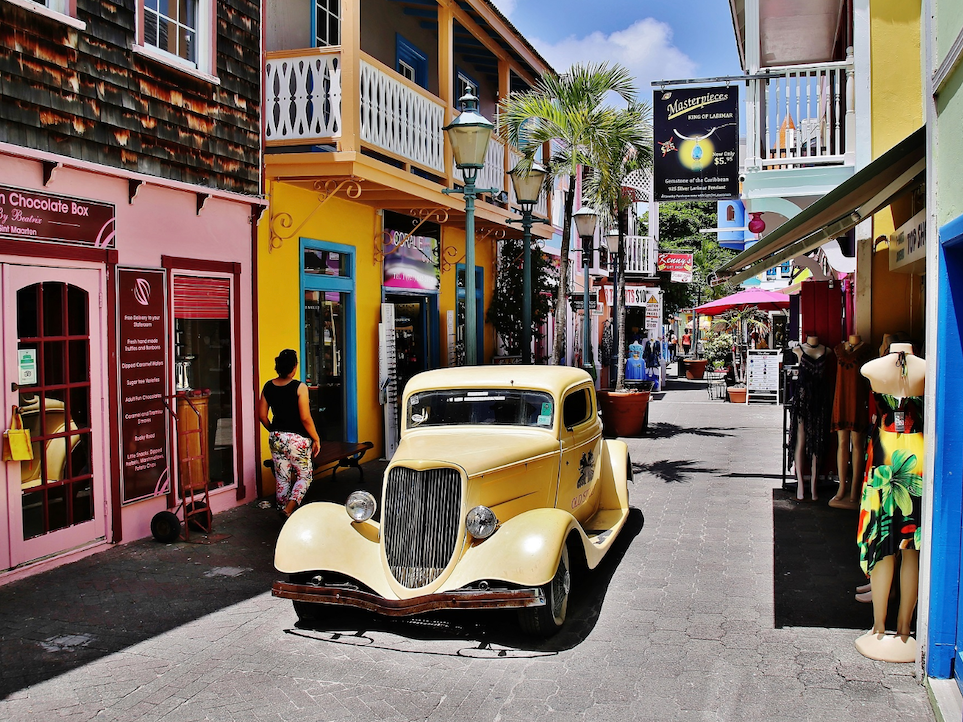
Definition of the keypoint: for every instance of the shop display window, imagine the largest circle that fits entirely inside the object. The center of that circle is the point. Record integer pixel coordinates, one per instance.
(323, 366)
(203, 369)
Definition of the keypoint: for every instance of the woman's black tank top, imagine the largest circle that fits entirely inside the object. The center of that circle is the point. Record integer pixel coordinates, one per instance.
(283, 402)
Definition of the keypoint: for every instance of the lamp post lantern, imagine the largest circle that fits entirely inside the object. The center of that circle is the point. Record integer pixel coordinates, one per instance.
(469, 134)
(527, 183)
(613, 241)
(586, 220)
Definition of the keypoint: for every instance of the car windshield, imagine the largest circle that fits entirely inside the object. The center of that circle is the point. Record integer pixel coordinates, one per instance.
(508, 407)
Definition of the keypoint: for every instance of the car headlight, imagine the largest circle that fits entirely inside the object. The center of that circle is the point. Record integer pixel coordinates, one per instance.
(481, 522)
(360, 505)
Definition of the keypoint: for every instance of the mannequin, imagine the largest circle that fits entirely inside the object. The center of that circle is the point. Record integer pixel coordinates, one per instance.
(850, 420)
(634, 370)
(885, 526)
(810, 415)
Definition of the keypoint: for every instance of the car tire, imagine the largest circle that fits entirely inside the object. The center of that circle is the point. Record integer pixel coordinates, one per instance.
(546, 620)
(165, 526)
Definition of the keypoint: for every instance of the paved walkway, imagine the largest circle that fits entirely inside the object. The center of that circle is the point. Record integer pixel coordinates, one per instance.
(682, 622)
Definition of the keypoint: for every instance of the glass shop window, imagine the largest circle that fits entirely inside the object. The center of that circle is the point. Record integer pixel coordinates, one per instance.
(204, 374)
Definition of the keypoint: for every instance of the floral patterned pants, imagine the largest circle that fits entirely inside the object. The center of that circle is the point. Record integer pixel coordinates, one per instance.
(292, 458)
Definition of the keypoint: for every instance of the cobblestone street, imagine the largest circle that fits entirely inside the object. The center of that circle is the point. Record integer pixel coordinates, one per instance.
(680, 622)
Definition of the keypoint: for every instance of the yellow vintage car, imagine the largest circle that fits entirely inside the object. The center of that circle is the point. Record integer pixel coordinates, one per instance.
(500, 483)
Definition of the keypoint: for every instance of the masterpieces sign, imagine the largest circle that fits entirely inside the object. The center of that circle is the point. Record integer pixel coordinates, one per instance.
(38, 216)
(696, 154)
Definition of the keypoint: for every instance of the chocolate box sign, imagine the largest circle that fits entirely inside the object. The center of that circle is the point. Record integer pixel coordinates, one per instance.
(28, 215)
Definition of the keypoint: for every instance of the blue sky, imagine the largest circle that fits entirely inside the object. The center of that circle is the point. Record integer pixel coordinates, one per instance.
(655, 39)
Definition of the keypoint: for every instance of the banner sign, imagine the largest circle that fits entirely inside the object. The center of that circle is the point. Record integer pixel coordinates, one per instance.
(681, 277)
(142, 341)
(674, 262)
(411, 262)
(635, 295)
(908, 244)
(39, 216)
(696, 133)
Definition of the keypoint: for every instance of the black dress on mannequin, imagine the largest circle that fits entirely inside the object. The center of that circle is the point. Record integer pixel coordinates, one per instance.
(813, 406)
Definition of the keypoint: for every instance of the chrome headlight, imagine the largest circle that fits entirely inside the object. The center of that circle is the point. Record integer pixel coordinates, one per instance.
(360, 505)
(481, 522)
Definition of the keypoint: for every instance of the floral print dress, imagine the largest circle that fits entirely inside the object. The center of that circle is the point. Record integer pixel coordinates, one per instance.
(889, 512)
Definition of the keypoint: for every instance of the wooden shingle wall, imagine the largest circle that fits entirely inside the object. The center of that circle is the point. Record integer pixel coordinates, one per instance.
(85, 94)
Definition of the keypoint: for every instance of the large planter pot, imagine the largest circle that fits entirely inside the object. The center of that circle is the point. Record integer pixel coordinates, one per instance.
(623, 412)
(737, 396)
(695, 368)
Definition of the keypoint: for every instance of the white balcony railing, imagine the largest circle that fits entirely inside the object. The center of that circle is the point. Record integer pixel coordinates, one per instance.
(802, 116)
(303, 96)
(493, 174)
(641, 254)
(400, 119)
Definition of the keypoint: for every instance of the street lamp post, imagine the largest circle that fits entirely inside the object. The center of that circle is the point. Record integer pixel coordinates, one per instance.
(585, 221)
(469, 134)
(527, 183)
(613, 240)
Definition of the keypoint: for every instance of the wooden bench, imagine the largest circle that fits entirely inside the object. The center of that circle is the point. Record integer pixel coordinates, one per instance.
(334, 455)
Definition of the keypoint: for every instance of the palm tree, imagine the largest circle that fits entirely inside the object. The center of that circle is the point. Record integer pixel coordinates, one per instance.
(565, 111)
(626, 146)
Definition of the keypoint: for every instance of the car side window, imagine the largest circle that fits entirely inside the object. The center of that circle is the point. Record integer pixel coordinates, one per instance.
(576, 408)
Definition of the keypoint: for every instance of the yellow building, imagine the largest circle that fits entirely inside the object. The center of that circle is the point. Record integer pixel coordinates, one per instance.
(359, 233)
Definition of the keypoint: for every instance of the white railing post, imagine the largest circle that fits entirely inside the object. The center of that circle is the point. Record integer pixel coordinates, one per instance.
(849, 138)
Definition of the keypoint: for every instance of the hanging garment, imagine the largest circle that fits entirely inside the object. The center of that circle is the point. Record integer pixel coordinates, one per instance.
(889, 511)
(812, 407)
(851, 400)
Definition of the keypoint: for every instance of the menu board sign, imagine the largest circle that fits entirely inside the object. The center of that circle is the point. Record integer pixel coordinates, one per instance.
(142, 304)
(40, 216)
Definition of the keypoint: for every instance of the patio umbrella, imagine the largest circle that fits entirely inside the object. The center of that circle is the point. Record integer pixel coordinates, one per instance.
(763, 300)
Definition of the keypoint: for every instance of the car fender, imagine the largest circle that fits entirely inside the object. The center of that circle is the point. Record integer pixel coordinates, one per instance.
(524, 550)
(321, 536)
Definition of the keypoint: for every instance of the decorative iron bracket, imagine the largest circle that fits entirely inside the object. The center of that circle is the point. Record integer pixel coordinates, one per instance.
(423, 215)
(281, 222)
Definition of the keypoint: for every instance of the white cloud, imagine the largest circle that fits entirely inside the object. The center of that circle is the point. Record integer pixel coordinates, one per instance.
(645, 48)
(507, 7)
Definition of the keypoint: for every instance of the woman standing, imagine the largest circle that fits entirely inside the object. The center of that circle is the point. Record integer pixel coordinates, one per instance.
(293, 438)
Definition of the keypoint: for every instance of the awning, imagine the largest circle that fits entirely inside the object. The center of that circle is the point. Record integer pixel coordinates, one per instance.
(868, 191)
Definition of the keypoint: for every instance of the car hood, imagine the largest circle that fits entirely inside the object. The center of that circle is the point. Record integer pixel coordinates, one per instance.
(474, 448)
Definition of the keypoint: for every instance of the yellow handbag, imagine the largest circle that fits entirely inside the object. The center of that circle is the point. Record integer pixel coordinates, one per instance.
(16, 439)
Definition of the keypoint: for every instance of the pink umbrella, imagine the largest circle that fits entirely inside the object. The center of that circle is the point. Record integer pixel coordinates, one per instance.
(763, 300)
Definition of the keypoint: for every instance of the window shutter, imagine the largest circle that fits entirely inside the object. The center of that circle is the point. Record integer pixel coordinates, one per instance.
(196, 297)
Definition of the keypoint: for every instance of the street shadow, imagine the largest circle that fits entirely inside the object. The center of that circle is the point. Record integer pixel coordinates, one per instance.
(494, 634)
(667, 430)
(816, 566)
(671, 471)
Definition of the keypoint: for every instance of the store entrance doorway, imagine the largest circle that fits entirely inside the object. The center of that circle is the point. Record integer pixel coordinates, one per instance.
(412, 336)
(54, 371)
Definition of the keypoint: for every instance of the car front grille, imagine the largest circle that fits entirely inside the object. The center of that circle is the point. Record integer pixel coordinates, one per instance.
(422, 512)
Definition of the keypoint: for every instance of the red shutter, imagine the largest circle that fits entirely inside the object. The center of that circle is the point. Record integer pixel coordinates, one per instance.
(202, 297)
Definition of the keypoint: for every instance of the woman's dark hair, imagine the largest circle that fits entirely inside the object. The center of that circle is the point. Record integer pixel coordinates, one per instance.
(286, 361)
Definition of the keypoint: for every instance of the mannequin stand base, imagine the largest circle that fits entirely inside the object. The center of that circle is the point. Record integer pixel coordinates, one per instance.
(843, 504)
(887, 647)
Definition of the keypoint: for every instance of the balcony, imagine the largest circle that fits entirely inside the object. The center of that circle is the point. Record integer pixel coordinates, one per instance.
(641, 255)
(801, 119)
(399, 121)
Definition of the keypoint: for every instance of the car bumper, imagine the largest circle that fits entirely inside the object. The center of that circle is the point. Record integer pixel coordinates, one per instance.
(468, 599)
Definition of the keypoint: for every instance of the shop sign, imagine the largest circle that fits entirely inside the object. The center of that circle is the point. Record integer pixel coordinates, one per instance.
(578, 302)
(26, 367)
(908, 244)
(635, 295)
(674, 262)
(681, 277)
(27, 215)
(142, 314)
(696, 134)
(411, 262)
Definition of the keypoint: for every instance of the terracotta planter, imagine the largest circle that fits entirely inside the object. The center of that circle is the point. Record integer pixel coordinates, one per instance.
(695, 368)
(623, 412)
(737, 396)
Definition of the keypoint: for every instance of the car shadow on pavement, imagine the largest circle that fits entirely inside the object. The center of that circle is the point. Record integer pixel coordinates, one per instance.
(488, 633)
(816, 565)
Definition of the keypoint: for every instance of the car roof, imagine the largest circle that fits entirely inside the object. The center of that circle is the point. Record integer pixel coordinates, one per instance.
(552, 379)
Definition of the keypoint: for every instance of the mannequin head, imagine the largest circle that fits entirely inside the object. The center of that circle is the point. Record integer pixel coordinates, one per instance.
(812, 339)
(855, 339)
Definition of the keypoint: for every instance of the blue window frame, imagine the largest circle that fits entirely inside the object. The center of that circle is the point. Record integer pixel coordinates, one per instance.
(479, 310)
(410, 61)
(464, 82)
(329, 336)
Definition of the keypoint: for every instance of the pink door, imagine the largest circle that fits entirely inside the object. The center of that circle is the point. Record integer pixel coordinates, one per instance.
(54, 371)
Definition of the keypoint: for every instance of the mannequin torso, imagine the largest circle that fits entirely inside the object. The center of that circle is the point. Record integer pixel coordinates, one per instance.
(811, 347)
(888, 375)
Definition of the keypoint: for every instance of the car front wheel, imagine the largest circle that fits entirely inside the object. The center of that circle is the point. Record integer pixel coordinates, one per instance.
(547, 620)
